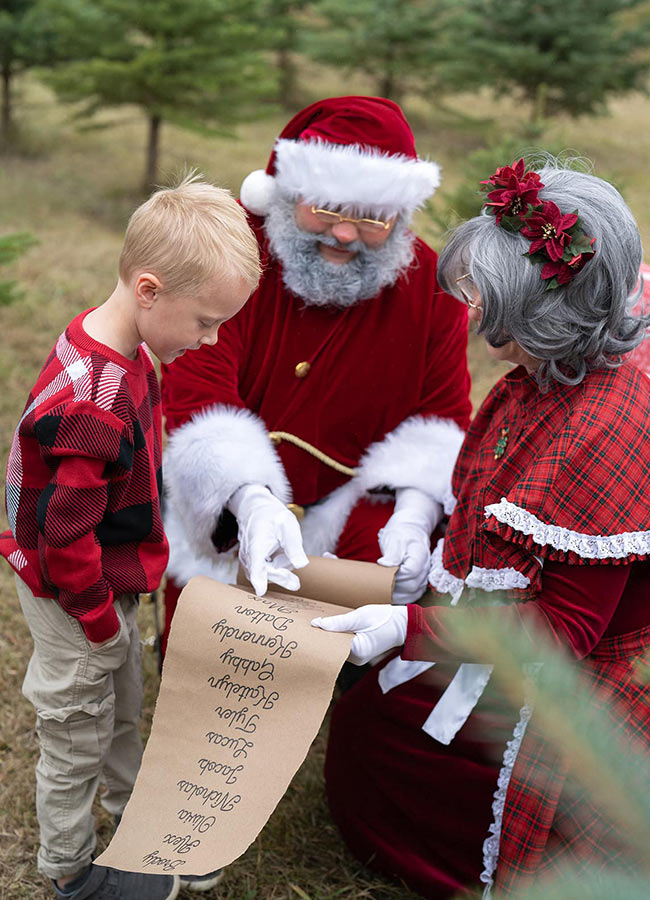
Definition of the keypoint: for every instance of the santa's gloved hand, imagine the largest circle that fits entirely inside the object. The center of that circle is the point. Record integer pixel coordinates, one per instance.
(405, 541)
(377, 628)
(270, 542)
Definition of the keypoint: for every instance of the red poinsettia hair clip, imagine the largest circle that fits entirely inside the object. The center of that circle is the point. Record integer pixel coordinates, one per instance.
(557, 240)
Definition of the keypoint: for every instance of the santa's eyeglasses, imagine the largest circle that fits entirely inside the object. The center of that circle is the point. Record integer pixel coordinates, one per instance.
(365, 226)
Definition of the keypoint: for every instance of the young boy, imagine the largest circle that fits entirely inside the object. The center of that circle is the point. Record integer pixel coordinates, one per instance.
(83, 502)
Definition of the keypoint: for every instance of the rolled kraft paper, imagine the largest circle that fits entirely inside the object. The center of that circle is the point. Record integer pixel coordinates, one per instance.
(347, 582)
(246, 684)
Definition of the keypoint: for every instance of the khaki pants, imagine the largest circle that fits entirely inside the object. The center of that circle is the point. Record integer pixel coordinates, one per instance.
(88, 704)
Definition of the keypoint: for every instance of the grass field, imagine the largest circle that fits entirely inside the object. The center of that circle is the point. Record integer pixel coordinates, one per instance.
(74, 191)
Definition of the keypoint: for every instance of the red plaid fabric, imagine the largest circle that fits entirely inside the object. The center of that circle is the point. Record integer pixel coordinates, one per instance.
(571, 484)
(549, 820)
(84, 479)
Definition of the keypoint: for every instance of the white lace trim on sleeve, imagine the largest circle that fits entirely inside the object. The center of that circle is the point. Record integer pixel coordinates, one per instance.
(588, 546)
(487, 579)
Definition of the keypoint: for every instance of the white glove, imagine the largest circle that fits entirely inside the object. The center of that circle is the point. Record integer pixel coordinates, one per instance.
(405, 541)
(377, 628)
(270, 542)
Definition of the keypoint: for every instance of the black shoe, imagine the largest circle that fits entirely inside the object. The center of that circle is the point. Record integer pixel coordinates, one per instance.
(102, 883)
(202, 882)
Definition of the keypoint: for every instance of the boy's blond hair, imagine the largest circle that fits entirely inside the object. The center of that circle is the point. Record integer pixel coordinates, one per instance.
(187, 234)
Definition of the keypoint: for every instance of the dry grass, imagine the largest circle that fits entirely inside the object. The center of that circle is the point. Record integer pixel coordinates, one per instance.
(74, 191)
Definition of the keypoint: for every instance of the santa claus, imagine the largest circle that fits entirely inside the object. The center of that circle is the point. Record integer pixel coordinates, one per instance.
(329, 415)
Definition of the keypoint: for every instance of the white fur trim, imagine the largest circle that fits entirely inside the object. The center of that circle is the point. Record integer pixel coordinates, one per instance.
(208, 458)
(420, 453)
(324, 522)
(257, 192)
(337, 174)
(588, 546)
(183, 561)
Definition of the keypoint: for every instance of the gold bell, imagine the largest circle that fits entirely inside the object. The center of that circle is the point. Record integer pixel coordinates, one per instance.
(297, 510)
(302, 369)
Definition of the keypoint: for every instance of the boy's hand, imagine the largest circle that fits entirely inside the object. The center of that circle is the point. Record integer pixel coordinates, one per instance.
(270, 542)
(377, 628)
(103, 643)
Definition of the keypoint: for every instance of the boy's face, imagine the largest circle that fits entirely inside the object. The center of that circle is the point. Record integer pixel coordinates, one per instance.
(170, 324)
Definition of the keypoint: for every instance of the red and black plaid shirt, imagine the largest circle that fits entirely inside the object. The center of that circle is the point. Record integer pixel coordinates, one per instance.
(571, 485)
(84, 480)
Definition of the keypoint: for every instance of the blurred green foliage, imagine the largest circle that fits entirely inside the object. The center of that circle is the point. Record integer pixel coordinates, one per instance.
(195, 63)
(557, 56)
(403, 45)
(11, 247)
(601, 758)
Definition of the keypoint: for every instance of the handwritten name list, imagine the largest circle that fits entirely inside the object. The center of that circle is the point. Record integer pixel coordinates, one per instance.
(246, 684)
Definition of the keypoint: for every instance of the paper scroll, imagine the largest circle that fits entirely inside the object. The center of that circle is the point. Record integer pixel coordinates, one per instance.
(246, 684)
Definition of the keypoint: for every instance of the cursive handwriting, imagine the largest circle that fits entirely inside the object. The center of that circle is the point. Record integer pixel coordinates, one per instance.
(229, 772)
(273, 643)
(239, 718)
(264, 670)
(196, 821)
(217, 799)
(257, 695)
(182, 843)
(280, 623)
(239, 746)
(167, 865)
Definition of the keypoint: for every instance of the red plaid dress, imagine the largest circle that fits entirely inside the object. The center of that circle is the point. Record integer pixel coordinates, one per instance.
(549, 821)
(561, 476)
(543, 479)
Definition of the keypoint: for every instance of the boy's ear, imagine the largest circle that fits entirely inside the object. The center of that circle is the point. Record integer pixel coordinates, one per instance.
(147, 287)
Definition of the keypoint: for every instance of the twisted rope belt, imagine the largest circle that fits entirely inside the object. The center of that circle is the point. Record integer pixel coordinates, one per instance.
(278, 436)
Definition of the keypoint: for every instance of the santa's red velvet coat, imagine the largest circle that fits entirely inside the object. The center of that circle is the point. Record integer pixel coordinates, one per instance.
(383, 387)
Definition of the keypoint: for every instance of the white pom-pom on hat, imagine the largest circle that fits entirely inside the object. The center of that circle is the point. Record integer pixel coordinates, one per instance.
(257, 192)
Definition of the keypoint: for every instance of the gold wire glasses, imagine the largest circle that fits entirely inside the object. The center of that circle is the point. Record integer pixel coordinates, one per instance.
(467, 297)
(365, 226)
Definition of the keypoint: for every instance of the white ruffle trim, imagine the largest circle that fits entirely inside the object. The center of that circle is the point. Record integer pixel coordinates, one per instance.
(492, 843)
(588, 546)
(487, 579)
(442, 580)
(496, 579)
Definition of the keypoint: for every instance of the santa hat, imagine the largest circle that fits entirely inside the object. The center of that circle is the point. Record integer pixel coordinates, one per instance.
(345, 151)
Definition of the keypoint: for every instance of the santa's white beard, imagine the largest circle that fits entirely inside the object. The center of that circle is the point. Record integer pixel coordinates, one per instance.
(322, 283)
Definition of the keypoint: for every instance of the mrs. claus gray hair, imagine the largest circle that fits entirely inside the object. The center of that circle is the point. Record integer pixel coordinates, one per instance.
(574, 328)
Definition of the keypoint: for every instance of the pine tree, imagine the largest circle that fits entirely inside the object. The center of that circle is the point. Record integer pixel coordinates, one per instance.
(285, 24)
(192, 62)
(556, 56)
(11, 247)
(401, 44)
(24, 42)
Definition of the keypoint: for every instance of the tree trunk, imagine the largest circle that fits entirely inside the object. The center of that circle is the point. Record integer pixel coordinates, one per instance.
(5, 120)
(287, 80)
(153, 152)
(387, 87)
(540, 101)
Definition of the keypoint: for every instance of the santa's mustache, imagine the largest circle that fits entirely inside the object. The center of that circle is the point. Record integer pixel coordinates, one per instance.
(321, 282)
